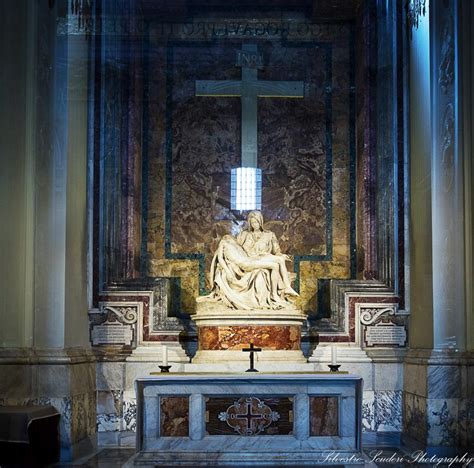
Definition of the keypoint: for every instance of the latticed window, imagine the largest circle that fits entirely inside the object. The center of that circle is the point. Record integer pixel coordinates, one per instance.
(246, 188)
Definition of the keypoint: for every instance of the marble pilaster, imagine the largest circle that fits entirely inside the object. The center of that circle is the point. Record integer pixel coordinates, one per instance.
(64, 379)
(435, 385)
(47, 360)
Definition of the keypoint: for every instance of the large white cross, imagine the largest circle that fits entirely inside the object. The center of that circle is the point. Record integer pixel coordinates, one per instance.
(249, 89)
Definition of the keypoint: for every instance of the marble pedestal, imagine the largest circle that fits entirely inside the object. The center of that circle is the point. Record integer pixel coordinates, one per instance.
(238, 419)
(223, 332)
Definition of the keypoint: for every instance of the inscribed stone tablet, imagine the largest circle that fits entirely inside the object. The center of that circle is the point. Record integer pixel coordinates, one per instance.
(112, 334)
(385, 335)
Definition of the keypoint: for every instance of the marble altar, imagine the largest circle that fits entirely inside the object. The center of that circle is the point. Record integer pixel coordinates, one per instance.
(234, 419)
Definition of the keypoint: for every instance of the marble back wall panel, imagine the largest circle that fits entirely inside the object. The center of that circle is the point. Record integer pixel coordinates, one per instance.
(303, 150)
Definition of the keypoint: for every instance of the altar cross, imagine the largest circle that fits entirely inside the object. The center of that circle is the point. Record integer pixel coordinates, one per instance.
(249, 89)
(252, 350)
(249, 417)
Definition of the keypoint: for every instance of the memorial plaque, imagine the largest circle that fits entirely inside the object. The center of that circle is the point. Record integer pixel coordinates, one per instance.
(385, 334)
(115, 333)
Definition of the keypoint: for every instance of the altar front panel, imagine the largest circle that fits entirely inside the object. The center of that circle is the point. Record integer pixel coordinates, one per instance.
(237, 418)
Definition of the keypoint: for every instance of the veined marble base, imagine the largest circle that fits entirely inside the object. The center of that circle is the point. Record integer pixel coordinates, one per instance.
(322, 354)
(243, 365)
(252, 455)
(217, 314)
(153, 353)
(263, 357)
(223, 332)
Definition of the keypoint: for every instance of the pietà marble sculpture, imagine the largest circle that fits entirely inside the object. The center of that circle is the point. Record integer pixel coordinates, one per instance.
(250, 272)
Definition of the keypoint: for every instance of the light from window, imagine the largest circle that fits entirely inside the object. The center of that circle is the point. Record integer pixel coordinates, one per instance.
(246, 188)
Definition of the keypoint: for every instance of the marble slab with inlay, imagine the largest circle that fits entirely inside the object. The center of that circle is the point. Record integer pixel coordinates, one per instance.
(237, 418)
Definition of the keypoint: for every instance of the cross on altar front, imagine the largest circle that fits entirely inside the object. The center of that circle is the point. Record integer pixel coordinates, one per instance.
(249, 416)
(249, 89)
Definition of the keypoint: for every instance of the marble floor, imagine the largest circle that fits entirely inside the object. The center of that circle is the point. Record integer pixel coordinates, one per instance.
(104, 458)
(384, 456)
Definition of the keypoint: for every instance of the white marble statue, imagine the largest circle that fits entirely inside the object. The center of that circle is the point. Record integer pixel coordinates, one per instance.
(250, 272)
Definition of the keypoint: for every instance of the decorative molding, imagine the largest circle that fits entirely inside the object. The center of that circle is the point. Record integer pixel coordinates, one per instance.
(145, 305)
(382, 325)
(347, 298)
(368, 316)
(51, 356)
(415, 9)
(163, 322)
(338, 322)
(127, 315)
(439, 357)
(115, 323)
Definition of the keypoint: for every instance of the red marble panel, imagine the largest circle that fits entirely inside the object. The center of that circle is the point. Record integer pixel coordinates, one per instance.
(324, 416)
(174, 416)
(238, 337)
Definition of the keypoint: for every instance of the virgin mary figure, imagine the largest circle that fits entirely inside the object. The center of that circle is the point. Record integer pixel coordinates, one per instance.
(250, 272)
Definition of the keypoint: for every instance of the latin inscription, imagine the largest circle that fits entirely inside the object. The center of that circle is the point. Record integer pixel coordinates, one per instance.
(112, 334)
(385, 334)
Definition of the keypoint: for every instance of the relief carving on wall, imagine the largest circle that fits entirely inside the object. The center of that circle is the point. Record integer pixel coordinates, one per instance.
(446, 66)
(415, 9)
(370, 315)
(127, 315)
(447, 148)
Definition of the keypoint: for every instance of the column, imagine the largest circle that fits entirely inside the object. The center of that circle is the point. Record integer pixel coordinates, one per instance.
(45, 357)
(436, 386)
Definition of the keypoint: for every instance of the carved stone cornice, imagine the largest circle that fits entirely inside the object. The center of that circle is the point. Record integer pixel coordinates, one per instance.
(439, 357)
(51, 356)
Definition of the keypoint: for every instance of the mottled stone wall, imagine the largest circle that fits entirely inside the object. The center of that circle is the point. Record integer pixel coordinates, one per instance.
(438, 406)
(305, 149)
(237, 337)
(366, 73)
